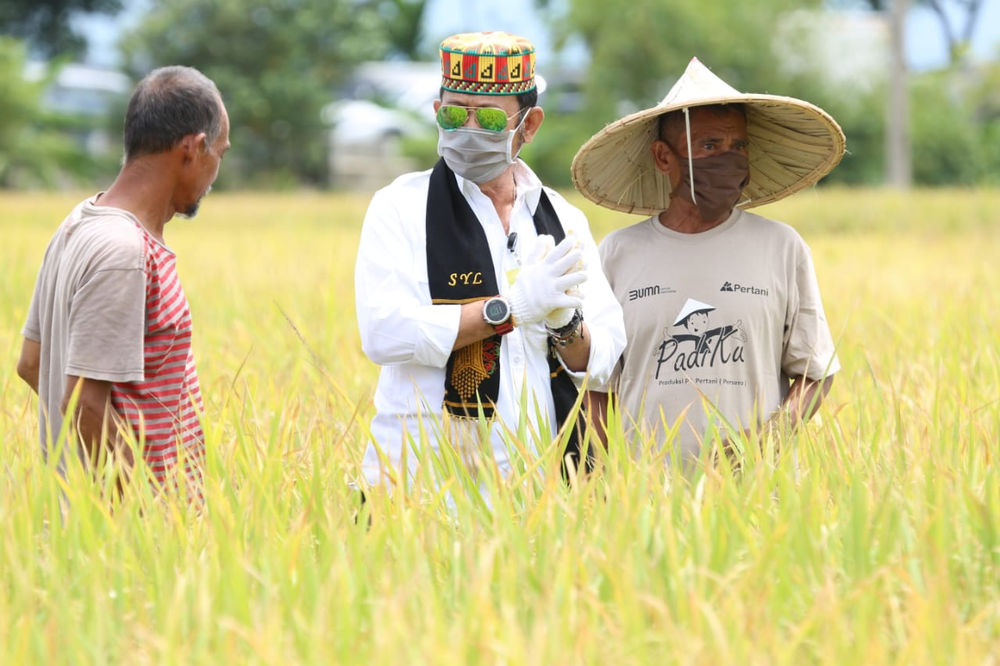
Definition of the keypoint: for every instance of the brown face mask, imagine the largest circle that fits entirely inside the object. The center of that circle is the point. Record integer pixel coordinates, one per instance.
(718, 182)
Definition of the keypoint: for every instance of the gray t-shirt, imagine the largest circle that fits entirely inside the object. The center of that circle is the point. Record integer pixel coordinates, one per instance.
(717, 322)
(88, 309)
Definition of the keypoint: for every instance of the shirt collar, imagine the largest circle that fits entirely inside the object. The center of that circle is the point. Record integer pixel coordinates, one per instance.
(529, 186)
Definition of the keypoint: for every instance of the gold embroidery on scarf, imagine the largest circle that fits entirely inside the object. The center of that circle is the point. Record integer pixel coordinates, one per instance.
(468, 371)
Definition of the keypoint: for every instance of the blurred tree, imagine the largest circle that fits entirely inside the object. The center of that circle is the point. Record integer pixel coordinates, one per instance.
(934, 129)
(45, 23)
(958, 38)
(861, 113)
(276, 65)
(898, 151)
(947, 145)
(986, 110)
(639, 48)
(35, 148)
(403, 19)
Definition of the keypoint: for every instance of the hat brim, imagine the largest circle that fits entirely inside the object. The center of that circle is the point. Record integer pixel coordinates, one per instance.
(792, 145)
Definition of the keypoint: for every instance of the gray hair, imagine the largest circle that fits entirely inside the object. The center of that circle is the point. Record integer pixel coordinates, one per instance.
(167, 105)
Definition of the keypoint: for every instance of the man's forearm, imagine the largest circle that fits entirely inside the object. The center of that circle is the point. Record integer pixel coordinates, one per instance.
(96, 420)
(95, 429)
(595, 404)
(28, 363)
(471, 326)
(31, 381)
(576, 354)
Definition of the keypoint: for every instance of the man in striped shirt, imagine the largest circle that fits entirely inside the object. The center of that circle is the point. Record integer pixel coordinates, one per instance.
(109, 321)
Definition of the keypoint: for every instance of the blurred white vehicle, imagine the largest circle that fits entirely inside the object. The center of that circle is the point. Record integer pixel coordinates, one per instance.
(359, 123)
(366, 137)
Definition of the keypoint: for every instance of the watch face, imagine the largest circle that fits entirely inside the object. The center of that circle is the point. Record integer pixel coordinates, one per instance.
(495, 311)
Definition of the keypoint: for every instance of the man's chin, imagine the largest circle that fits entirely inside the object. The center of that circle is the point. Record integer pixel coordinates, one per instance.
(192, 210)
(189, 212)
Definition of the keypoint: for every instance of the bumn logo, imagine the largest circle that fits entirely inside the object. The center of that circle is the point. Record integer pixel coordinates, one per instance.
(643, 292)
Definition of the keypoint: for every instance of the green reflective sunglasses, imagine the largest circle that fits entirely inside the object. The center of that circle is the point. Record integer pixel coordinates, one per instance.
(450, 116)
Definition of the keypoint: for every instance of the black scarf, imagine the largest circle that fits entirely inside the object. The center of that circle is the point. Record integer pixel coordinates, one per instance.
(460, 270)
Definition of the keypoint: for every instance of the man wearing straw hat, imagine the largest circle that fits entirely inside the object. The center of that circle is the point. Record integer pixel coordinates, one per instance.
(725, 323)
(478, 290)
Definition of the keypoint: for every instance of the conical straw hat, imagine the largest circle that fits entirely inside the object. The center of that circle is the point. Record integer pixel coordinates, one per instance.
(690, 307)
(792, 144)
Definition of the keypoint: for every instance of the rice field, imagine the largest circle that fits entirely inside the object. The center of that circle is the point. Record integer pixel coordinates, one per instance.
(877, 542)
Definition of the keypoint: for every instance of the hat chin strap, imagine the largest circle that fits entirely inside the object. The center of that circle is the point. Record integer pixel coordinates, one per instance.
(687, 132)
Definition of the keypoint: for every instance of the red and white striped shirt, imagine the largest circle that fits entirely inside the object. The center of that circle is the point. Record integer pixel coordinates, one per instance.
(164, 408)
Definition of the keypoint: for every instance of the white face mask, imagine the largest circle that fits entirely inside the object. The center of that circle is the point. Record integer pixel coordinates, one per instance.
(477, 154)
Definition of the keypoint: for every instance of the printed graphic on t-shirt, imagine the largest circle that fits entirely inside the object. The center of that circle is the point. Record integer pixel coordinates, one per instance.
(649, 290)
(743, 288)
(696, 340)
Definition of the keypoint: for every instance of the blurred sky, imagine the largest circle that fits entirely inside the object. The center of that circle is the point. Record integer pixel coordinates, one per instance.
(926, 48)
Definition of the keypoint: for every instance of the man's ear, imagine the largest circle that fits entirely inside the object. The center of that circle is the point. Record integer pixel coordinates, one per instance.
(192, 145)
(532, 122)
(663, 156)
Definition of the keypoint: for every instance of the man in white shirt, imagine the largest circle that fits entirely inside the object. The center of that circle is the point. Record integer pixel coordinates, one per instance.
(726, 329)
(479, 290)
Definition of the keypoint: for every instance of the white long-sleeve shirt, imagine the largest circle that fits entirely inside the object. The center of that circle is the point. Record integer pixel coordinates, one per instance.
(411, 338)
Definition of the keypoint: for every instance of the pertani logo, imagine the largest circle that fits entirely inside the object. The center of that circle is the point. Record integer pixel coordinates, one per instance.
(737, 287)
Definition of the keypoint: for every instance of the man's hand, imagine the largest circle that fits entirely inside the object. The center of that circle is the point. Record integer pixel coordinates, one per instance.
(804, 398)
(541, 286)
(27, 364)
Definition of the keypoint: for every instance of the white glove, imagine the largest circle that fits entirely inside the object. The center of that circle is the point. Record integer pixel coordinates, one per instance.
(561, 316)
(541, 285)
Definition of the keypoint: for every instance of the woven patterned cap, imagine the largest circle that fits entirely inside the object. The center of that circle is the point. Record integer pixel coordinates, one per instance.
(792, 144)
(487, 63)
